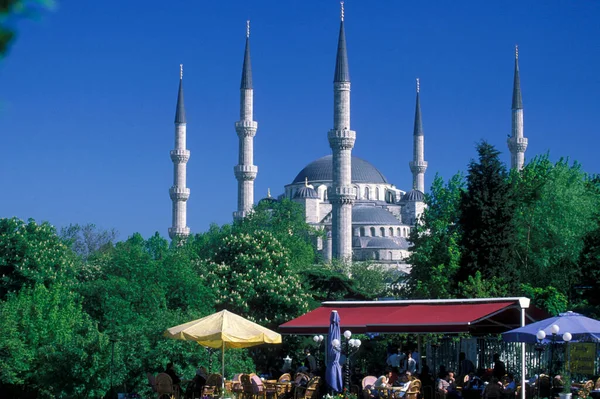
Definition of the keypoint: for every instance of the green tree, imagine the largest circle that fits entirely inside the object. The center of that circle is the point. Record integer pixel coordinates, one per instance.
(435, 253)
(32, 253)
(86, 240)
(10, 10)
(557, 206)
(142, 288)
(50, 348)
(487, 209)
(589, 279)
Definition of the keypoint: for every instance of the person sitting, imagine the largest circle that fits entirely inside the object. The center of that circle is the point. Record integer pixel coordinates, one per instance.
(199, 380)
(465, 366)
(170, 370)
(447, 386)
(511, 385)
(382, 382)
(472, 381)
(493, 390)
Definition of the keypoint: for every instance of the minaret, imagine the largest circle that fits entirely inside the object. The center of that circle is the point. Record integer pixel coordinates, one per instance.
(517, 144)
(341, 141)
(418, 165)
(245, 171)
(179, 192)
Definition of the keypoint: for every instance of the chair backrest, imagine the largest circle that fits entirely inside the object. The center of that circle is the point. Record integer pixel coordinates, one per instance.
(246, 384)
(257, 384)
(544, 386)
(415, 386)
(285, 377)
(151, 381)
(368, 381)
(312, 388)
(163, 383)
(301, 379)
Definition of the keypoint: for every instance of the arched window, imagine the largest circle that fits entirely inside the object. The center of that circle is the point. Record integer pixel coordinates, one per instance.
(367, 193)
(391, 231)
(390, 255)
(399, 232)
(325, 195)
(377, 193)
(362, 231)
(382, 231)
(373, 232)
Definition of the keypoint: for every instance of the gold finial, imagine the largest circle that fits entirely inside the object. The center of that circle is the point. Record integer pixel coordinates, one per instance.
(269, 192)
(342, 10)
(516, 51)
(418, 85)
(180, 71)
(247, 28)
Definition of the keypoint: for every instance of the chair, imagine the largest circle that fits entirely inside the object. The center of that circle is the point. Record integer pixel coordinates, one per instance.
(259, 389)
(310, 391)
(213, 386)
(544, 388)
(367, 384)
(164, 386)
(236, 386)
(283, 386)
(247, 388)
(286, 377)
(414, 390)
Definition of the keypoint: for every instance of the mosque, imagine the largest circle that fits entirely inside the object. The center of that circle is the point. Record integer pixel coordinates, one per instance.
(365, 217)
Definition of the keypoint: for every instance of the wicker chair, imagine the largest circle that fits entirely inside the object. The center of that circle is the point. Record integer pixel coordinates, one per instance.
(283, 387)
(367, 384)
(310, 391)
(213, 386)
(414, 390)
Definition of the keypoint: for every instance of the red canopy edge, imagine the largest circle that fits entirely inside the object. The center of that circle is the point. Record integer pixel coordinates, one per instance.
(475, 316)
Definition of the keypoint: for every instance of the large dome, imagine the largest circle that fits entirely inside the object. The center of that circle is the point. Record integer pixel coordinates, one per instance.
(321, 170)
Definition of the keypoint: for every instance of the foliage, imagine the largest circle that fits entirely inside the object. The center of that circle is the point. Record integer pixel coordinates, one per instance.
(547, 298)
(286, 221)
(487, 208)
(251, 276)
(435, 253)
(87, 239)
(557, 206)
(50, 346)
(32, 253)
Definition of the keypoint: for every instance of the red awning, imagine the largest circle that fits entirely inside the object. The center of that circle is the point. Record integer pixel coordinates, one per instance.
(452, 316)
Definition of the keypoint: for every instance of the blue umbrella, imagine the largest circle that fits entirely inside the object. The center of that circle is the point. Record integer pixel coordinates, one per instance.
(333, 375)
(583, 329)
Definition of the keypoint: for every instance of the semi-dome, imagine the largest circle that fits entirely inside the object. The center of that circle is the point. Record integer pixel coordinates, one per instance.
(322, 170)
(414, 195)
(306, 192)
(373, 215)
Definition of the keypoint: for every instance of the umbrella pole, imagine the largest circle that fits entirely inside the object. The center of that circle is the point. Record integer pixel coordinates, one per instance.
(223, 369)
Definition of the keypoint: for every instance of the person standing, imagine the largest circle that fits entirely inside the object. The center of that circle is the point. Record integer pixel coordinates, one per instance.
(499, 367)
(311, 361)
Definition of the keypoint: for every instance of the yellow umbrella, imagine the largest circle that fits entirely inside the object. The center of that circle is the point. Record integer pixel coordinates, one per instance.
(224, 330)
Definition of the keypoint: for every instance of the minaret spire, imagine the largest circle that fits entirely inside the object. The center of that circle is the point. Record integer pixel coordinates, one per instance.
(179, 193)
(341, 141)
(517, 143)
(245, 171)
(418, 165)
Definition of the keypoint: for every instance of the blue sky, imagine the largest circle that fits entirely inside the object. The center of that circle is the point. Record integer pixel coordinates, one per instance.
(88, 91)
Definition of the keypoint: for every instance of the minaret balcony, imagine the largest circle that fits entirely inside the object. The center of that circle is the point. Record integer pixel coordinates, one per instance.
(246, 128)
(179, 193)
(341, 138)
(517, 144)
(418, 166)
(245, 172)
(177, 231)
(180, 156)
(343, 194)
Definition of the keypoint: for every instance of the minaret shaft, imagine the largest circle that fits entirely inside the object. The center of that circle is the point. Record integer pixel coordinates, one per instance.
(245, 171)
(341, 140)
(517, 143)
(418, 165)
(179, 193)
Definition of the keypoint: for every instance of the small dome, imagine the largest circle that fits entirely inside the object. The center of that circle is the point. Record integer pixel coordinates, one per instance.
(414, 195)
(373, 215)
(322, 170)
(306, 192)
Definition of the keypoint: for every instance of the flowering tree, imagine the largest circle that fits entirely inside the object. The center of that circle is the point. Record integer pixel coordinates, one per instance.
(251, 275)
